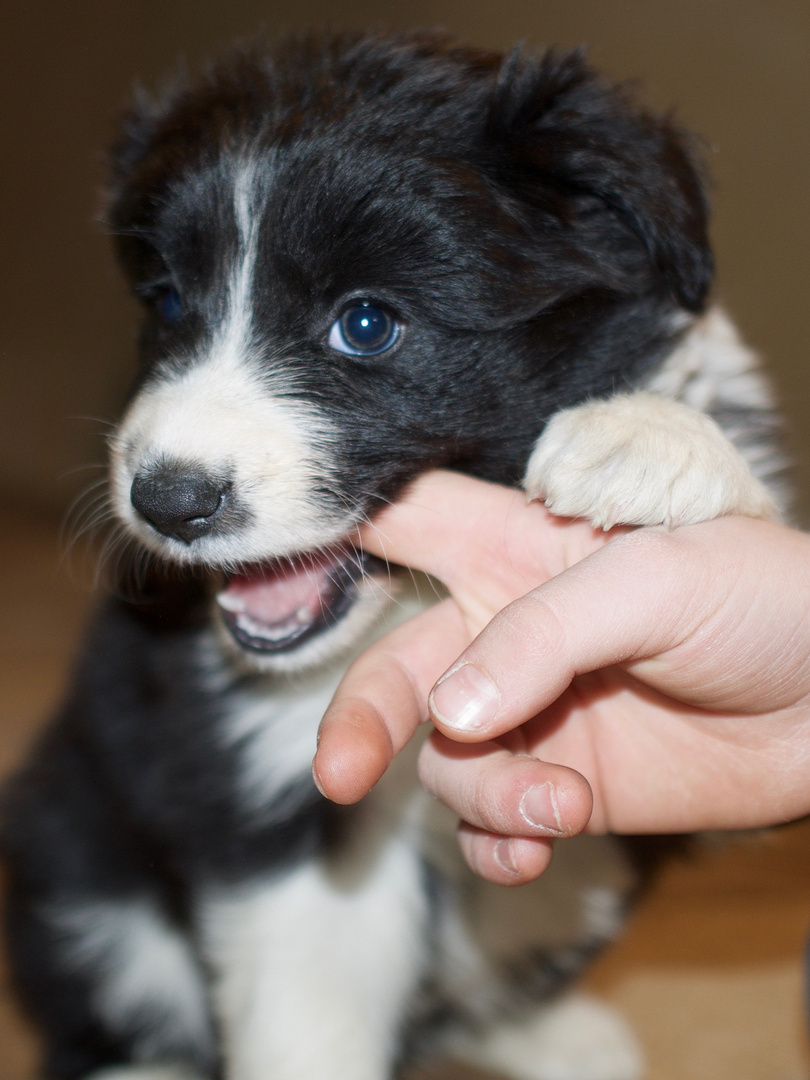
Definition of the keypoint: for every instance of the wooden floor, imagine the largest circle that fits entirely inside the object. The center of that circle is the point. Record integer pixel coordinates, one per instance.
(709, 973)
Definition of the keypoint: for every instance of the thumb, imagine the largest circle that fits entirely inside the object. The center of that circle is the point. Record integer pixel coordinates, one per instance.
(623, 603)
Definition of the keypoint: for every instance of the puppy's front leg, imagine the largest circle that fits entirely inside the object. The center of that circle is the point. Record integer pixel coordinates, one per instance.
(312, 974)
(641, 459)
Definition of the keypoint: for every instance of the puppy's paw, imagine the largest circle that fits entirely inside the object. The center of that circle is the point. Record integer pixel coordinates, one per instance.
(575, 1038)
(641, 459)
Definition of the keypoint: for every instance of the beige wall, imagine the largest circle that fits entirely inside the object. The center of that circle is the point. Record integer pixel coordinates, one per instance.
(738, 71)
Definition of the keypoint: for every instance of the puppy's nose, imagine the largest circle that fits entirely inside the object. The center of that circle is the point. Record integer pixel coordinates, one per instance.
(181, 502)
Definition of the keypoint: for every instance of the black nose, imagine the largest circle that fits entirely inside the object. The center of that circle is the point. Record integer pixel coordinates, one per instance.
(181, 502)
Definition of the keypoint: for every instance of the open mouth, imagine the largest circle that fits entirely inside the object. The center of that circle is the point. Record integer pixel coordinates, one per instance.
(275, 607)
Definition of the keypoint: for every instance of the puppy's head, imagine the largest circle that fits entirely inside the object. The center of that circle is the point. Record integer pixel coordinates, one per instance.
(363, 257)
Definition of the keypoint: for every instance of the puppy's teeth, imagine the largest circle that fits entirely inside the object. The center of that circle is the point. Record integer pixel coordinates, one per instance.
(302, 616)
(236, 604)
(277, 632)
(260, 631)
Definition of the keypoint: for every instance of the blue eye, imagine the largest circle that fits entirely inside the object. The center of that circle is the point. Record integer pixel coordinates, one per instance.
(170, 305)
(364, 329)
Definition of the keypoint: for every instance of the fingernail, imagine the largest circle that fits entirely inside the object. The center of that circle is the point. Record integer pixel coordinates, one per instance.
(538, 807)
(502, 855)
(465, 699)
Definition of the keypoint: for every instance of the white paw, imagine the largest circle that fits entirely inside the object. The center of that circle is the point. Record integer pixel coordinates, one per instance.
(577, 1038)
(641, 459)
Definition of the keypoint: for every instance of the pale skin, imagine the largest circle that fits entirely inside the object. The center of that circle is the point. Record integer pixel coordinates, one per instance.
(636, 681)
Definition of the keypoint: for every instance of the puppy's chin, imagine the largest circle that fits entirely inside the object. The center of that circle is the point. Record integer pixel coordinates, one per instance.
(291, 614)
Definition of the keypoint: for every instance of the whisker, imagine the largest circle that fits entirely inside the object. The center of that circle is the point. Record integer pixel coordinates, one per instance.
(99, 420)
(83, 468)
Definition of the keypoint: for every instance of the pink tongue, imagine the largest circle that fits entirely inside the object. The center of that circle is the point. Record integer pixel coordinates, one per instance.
(278, 593)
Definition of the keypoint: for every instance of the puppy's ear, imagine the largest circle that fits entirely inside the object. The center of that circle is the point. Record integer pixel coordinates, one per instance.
(566, 136)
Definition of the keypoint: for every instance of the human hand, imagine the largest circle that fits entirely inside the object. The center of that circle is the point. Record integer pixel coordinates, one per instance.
(640, 682)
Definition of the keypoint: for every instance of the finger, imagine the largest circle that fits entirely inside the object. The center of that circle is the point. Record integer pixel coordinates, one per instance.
(513, 795)
(449, 508)
(634, 598)
(354, 747)
(478, 538)
(504, 860)
(382, 700)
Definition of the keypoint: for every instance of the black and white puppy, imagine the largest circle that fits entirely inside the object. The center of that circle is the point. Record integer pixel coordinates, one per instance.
(360, 257)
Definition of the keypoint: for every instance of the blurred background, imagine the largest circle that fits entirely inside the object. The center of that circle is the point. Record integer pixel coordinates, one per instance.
(710, 973)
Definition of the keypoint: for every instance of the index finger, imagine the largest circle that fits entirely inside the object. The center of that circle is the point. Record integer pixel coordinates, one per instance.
(382, 700)
(484, 542)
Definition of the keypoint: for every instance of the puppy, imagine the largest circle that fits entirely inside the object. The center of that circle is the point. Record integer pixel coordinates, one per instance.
(360, 257)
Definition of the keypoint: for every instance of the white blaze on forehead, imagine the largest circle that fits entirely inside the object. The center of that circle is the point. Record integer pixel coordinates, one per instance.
(234, 335)
(246, 204)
